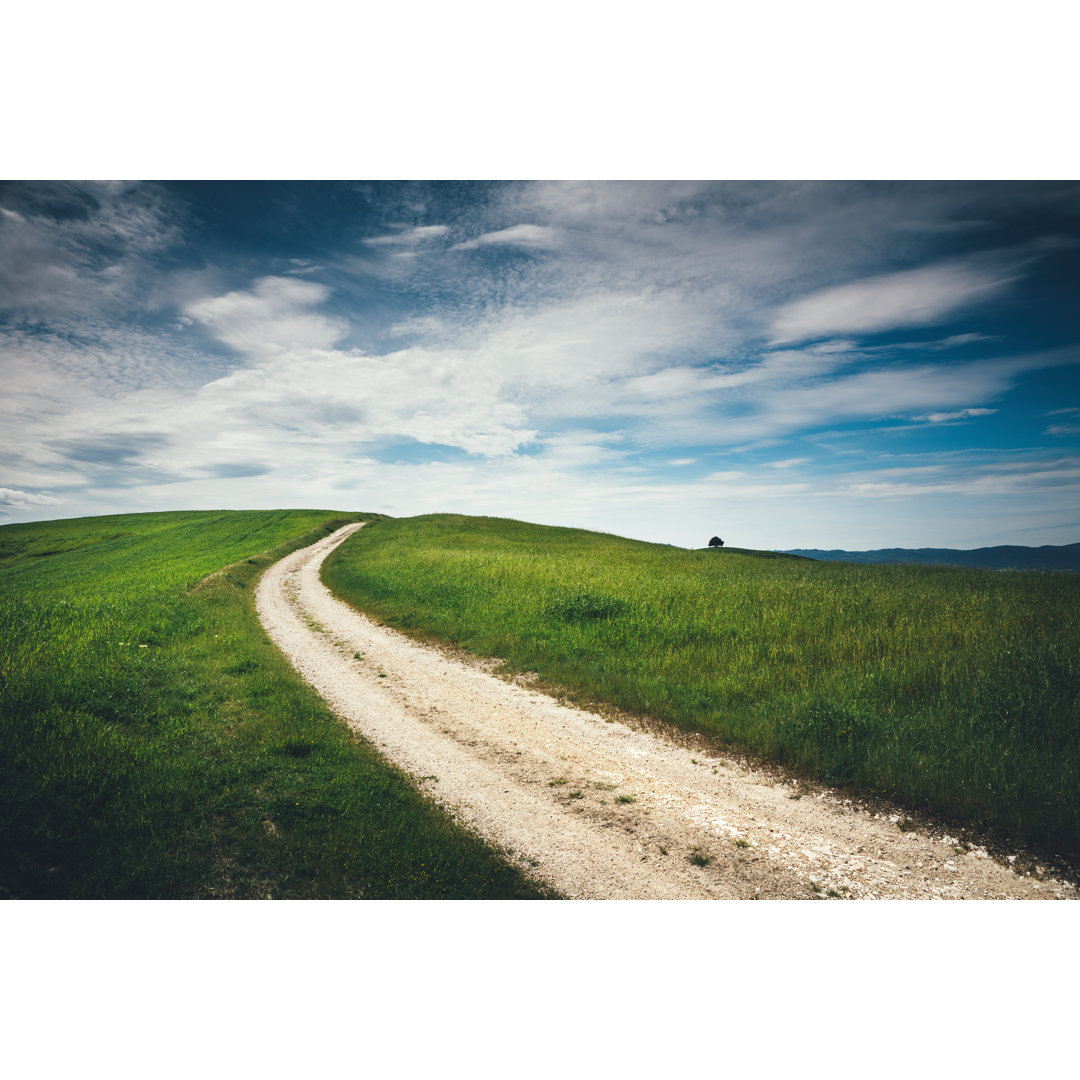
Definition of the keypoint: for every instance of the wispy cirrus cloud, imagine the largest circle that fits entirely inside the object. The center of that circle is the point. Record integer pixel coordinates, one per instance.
(1065, 430)
(79, 248)
(410, 237)
(881, 393)
(920, 297)
(521, 236)
(1055, 477)
(959, 414)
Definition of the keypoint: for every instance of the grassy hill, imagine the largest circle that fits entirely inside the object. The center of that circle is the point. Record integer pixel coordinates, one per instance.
(951, 689)
(154, 743)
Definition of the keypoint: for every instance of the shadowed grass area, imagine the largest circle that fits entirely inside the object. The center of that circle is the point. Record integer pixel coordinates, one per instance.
(154, 743)
(950, 689)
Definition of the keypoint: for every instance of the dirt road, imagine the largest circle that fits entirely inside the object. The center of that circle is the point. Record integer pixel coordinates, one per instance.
(590, 805)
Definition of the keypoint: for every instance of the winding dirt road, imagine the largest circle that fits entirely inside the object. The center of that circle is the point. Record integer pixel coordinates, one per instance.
(591, 806)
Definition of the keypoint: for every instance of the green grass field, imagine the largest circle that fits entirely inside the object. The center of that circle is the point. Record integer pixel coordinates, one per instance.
(952, 690)
(154, 743)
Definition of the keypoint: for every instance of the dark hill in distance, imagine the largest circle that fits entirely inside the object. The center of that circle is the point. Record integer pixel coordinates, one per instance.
(1007, 557)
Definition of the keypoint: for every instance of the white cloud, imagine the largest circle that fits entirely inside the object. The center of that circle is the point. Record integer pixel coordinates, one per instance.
(420, 234)
(348, 398)
(587, 202)
(24, 500)
(919, 297)
(960, 414)
(782, 407)
(79, 248)
(562, 353)
(526, 236)
(33, 271)
(1054, 478)
(420, 326)
(955, 340)
(788, 463)
(841, 345)
(273, 317)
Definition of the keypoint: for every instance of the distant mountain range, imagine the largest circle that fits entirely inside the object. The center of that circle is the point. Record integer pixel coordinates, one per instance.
(1066, 557)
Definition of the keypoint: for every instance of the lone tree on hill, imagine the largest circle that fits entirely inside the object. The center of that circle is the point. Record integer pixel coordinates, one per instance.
(716, 542)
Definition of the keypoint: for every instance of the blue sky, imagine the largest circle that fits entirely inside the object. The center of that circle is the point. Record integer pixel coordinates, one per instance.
(785, 364)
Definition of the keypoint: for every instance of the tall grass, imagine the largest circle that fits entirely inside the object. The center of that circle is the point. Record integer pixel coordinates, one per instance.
(950, 689)
(154, 743)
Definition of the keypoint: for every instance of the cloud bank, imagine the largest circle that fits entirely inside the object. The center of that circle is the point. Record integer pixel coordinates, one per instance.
(657, 359)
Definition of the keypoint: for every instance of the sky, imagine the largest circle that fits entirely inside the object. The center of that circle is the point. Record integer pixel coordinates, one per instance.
(782, 364)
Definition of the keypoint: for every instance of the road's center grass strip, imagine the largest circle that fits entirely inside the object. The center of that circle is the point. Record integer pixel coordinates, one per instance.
(955, 690)
(154, 743)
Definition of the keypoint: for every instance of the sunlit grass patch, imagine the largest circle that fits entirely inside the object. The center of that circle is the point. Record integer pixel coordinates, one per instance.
(949, 689)
(154, 743)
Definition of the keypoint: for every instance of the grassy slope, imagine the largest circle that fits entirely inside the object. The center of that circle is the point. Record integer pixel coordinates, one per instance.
(199, 765)
(956, 690)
